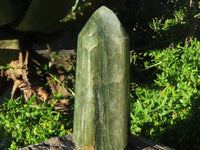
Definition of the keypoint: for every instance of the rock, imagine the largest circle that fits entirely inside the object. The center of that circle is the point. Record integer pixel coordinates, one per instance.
(101, 117)
(140, 143)
(55, 143)
(67, 143)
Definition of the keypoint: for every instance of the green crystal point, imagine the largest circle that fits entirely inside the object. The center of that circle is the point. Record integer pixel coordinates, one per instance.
(101, 117)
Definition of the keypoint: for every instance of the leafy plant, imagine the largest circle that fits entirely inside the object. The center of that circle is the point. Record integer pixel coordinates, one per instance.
(30, 122)
(76, 11)
(165, 110)
(69, 73)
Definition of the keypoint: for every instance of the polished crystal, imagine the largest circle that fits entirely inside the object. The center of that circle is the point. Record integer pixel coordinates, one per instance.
(101, 117)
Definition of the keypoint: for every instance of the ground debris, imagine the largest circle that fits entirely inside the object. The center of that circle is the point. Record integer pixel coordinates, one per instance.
(27, 81)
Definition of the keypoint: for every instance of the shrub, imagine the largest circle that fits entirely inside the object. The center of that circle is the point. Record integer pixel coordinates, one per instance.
(31, 122)
(167, 110)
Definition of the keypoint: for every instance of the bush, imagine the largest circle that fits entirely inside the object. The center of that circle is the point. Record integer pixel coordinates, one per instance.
(31, 122)
(168, 109)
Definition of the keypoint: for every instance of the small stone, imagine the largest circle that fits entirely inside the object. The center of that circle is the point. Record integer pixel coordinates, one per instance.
(57, 143)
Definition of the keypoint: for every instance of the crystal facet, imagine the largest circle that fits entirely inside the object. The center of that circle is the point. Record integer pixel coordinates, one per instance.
(101, 117)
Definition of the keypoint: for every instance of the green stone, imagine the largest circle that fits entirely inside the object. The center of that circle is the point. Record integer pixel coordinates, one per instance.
(101, 117)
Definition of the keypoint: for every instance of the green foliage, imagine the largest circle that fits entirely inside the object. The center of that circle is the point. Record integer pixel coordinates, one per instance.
(165, 77)
(168, 109)
(160, 25)
(155, 24)
(79, 11)
(31, 122)
(165, 72)
(75, 5)
(70, 74)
